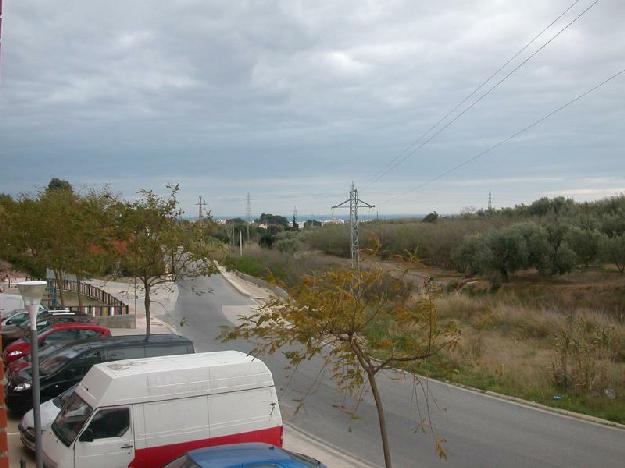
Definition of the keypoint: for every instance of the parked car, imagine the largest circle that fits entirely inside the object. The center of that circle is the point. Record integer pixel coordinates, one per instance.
(68, 366)
(148, 412)
(48, 413)
(18, 325)
(63, 315)
(244, 456)
(24, 362)
(56, 333)
(5, 314)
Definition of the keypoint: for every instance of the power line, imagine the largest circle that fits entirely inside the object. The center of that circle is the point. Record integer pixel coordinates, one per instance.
(405, 156)
(480, 86)
(511, 137)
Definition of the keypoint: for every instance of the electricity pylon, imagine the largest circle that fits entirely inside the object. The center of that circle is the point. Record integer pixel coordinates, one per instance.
(248, 213)
(353, 202)
(201, 203)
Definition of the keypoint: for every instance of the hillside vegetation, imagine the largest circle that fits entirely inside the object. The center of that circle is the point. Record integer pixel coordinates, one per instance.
(537, 290)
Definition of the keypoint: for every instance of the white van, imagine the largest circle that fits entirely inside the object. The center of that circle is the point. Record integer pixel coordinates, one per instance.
(147, 412)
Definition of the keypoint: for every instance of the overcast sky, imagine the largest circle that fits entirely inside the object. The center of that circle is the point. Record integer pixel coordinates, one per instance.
(292, 100)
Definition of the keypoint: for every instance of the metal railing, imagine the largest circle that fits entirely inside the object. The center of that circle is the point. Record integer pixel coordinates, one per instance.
(111, 305)
(101, 311)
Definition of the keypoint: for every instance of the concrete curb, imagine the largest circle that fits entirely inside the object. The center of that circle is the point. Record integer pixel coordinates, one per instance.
(229, 276)
(533, 405)
(498, 396)
(330, 449)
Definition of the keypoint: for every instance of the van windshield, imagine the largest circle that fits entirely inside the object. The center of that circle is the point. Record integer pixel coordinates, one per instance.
(71, 419)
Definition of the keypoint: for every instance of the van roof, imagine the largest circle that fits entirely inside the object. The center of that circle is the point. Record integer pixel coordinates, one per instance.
(160, 378)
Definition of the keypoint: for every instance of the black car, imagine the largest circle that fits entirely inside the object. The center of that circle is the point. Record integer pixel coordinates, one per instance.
(63, 369)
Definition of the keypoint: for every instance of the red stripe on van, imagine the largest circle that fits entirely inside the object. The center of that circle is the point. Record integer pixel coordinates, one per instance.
(158, 456)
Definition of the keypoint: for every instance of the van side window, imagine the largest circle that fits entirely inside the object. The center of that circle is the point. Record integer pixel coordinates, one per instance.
(110, 423)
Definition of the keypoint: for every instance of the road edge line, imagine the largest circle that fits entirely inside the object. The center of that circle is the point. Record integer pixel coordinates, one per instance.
(529, 404)
(489, 393)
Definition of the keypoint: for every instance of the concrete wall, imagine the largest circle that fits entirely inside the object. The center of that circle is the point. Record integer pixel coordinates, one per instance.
(118, 321)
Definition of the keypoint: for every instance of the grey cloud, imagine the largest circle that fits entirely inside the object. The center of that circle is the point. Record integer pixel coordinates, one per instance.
(142, 92)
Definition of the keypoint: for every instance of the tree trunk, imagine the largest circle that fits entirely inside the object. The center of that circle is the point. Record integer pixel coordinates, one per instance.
(382, 420)
(58, 277)
(146, 303)
(379, 405)
(80, 296)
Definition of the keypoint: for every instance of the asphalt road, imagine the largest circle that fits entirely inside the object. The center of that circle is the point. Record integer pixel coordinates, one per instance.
(480, 431)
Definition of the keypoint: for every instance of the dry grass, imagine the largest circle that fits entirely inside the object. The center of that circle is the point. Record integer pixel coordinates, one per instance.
(520, 347)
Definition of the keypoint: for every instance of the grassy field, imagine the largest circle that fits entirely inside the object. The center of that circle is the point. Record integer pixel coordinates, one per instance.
(559, 341)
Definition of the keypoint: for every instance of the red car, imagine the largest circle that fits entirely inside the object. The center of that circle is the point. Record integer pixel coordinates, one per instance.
(56, 333)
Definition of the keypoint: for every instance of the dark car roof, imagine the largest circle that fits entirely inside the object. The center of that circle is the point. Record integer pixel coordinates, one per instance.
(125, 340)
(226, 455)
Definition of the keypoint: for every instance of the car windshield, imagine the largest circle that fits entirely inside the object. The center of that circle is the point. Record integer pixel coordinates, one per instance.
(182, 462)
(71, 419)
(17, 319)
(53, 363)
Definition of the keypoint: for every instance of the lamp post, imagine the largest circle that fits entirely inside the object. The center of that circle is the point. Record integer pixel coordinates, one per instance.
(32, 292)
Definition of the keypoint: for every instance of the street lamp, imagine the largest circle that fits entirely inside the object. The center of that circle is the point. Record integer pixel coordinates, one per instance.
(32, 292)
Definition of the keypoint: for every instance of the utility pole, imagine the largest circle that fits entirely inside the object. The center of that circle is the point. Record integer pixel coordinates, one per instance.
(4, 441)
(353, 202)
(201, 203)
(240, 243)
(248, 213)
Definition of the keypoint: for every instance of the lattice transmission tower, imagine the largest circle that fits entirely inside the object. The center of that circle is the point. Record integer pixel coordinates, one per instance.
(248, 213)
(353, 203)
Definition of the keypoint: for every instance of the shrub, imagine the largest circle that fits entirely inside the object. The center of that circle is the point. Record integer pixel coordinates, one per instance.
(473, 255)
(585, 243)
(613, 250)
(509, 251)
(561, 258)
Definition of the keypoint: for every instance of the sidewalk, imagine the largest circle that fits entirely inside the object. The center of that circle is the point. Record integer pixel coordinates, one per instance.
(295, 439)
(164, 299)
(245, 287)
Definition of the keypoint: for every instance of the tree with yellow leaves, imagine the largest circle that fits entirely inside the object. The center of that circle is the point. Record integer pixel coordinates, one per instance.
(359, 322)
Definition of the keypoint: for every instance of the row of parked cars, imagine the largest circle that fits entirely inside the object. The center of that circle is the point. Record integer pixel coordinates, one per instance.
(137, 400)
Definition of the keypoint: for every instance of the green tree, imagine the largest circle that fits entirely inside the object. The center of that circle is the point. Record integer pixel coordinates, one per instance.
(58, 229)
(59, 184)
(312, 223)
(509, 252)
(613, 250)
(537, 245)
(431, 217)
(561, 258)
(613, 224)
(338, 315)
(473, 255)
(585, 243)
(273, 220)
(159, 248)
